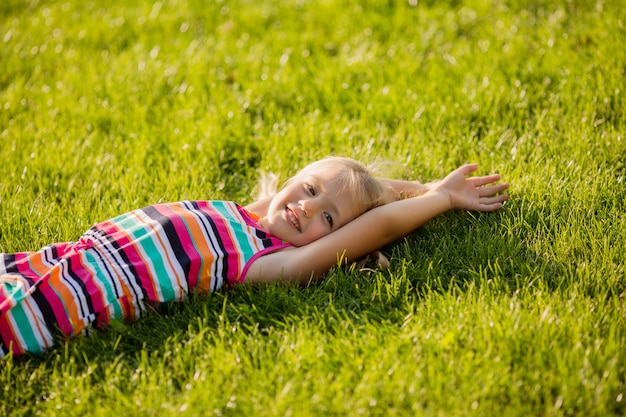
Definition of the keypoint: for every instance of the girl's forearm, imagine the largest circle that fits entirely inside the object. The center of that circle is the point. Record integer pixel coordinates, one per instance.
(403, 217)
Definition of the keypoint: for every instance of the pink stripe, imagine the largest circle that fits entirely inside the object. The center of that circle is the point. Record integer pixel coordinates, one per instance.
(135, 258)
(8, 336)
(23, 266)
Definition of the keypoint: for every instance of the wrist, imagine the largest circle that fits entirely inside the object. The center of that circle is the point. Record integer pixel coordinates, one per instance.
(443, 197)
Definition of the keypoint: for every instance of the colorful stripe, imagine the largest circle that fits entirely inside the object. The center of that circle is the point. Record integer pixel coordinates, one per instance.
(117, 268)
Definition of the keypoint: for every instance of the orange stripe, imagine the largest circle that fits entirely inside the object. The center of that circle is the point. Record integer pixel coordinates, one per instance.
(68, 300)
(36, 263)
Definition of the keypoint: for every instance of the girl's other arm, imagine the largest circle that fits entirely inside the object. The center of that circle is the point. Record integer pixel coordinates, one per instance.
(267, 190)
(260, 206)
(405, 189)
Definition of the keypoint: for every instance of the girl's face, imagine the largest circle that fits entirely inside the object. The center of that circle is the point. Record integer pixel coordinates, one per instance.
(309, 208)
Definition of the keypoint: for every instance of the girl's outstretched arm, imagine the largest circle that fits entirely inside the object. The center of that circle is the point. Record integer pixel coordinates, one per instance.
(379, 227)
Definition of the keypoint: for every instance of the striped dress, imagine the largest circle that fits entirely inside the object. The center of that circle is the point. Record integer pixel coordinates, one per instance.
(121, 267)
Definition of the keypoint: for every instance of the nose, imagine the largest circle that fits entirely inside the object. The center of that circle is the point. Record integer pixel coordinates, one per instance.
(308, 206)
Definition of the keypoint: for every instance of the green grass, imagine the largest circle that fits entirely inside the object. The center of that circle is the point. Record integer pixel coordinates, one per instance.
(109, 106)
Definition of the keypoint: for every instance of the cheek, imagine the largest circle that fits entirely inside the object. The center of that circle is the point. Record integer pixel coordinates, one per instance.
(313, 234)
(319, 230)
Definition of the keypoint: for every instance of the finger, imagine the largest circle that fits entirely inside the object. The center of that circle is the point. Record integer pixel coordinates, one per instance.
(487, 179)
(492, 190)
(467, 168)
(490, 207)
(496, 203)
(493, 200)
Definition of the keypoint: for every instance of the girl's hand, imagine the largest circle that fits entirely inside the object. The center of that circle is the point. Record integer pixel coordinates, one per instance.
(473, 193)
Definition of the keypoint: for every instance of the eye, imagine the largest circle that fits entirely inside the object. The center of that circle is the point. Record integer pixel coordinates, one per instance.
(329, 219)
(311, 189)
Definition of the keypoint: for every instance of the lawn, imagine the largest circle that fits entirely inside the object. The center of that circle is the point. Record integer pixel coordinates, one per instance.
(107, 106)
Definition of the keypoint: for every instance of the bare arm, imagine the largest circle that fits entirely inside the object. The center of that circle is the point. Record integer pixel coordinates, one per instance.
(379, 227)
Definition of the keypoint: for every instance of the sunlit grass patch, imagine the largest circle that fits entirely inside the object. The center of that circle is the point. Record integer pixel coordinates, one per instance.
(109, 107)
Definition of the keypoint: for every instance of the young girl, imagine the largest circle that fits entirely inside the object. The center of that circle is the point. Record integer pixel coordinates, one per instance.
(331, 210)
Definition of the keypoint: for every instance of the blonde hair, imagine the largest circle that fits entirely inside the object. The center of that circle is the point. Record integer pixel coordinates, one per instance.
(366, 191)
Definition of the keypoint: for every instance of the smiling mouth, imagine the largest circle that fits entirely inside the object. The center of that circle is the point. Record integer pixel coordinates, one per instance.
(293, 218)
